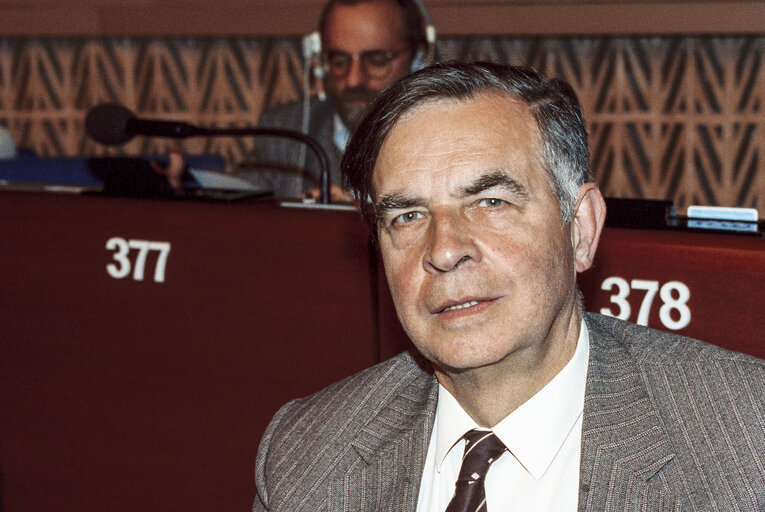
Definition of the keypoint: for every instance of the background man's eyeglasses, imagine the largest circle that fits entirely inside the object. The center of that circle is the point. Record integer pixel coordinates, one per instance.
(374, 63)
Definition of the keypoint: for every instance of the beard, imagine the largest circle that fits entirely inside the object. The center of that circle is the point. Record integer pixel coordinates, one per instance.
(351, 104)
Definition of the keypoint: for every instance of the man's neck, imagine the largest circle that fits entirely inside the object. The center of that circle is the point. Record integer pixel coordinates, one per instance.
(490, 393)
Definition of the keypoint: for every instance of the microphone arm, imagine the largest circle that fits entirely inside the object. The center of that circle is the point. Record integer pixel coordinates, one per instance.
(111, 123)
(183, 130)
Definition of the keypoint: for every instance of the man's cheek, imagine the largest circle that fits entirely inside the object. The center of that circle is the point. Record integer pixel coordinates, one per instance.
(403, 289)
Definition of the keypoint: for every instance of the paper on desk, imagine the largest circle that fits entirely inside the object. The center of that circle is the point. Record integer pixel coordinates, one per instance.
(220, 181)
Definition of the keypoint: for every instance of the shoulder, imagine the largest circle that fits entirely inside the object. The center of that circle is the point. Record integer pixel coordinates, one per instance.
(308, 436)
(709, 403)
(355, 398)
(693, 384)
(290, 115)
(649, 347)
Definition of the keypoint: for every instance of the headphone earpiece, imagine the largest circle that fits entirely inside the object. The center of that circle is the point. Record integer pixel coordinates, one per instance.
(312, 53)
(430, 37)
(312, 56)
(429, 31)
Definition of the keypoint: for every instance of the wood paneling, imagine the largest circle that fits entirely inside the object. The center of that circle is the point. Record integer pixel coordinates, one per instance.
(677, 118)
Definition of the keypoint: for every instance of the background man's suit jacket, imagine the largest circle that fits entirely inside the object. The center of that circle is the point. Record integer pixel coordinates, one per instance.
(669, 424)
(277, 164)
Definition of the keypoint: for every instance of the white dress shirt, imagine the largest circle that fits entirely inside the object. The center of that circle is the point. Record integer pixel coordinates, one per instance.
(540, 469)
(340, 134)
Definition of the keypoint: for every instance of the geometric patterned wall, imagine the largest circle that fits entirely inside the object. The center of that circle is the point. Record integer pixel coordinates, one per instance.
(680, 118)
(669, 118)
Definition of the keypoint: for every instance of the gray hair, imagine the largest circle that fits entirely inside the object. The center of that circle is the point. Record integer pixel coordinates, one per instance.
(552, 102)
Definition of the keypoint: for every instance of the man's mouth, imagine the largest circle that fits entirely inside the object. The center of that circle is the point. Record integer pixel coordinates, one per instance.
(460, 306)
(357, 101)
(464, 303)
(356, 96)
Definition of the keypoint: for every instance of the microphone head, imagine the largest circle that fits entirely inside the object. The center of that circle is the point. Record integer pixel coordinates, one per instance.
(107, 123)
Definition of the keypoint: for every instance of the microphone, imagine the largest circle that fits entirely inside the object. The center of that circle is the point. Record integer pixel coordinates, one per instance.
(113, 124)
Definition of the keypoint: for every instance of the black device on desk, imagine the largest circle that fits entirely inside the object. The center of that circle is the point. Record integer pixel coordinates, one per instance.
(119, 176)
(661, 215)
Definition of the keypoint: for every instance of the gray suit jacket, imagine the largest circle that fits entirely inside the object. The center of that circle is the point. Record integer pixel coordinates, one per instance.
(285, 166)
(669, 424)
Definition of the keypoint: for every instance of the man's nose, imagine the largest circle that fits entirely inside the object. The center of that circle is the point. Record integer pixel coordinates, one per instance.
(356, 75)
(450, 244)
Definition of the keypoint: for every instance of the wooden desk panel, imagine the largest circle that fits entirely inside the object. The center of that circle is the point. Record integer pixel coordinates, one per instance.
(125, 394)
(722, 275)
(119, 394)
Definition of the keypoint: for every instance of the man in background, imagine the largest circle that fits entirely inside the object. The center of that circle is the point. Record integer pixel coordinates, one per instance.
(366, 45)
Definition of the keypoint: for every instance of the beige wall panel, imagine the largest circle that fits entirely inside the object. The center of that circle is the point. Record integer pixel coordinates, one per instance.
(673, 91)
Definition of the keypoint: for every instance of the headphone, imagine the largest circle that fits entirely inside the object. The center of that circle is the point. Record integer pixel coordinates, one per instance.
(427, 57)
(421, 59)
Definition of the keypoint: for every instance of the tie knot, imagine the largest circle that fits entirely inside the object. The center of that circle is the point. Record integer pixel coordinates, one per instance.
(482, 448)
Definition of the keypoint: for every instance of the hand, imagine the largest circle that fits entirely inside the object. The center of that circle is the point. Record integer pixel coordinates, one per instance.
(173, 170)
(336, 194)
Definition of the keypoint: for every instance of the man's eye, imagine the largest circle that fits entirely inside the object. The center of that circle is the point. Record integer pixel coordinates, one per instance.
(338, 60)
(378, 59)
(406, 217)
(491, 202)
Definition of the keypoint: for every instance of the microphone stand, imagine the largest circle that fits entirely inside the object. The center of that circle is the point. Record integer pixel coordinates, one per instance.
(114, 124)
(197, 131)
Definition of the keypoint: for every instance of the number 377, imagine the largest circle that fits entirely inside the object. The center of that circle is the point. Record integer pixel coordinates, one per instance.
(122, 264)
(674, 296)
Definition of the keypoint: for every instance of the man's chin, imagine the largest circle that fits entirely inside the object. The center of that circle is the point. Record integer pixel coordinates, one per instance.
(352, 115)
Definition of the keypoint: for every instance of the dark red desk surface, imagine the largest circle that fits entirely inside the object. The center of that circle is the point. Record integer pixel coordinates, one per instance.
(119, 394)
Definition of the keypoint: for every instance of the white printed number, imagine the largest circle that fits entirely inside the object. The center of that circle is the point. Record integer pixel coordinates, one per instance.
(122, 266)
(673, 294)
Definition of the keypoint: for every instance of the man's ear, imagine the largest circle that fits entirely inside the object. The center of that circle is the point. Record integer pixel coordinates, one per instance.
(589, 217)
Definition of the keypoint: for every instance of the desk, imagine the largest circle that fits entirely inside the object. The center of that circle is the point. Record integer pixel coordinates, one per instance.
(131, 394)
(703, 285)
(124, 390)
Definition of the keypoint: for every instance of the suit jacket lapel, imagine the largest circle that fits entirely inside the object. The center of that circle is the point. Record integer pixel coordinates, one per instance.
(385, 466)
(626, 454)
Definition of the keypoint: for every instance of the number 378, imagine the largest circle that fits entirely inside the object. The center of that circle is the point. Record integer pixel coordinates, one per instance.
(673, 294)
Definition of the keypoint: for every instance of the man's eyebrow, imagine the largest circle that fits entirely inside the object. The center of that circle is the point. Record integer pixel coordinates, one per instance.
(396, 202)
(492, 179)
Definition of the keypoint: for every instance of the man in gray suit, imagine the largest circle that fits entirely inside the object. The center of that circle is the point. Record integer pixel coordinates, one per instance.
(366, 45)
(477, 178)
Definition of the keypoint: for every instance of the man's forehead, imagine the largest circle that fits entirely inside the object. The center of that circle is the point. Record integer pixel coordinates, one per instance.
(490, 120)
(476, 112)
(373, 20)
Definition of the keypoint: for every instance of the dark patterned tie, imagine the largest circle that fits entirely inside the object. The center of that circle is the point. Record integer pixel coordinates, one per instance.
(482, 448)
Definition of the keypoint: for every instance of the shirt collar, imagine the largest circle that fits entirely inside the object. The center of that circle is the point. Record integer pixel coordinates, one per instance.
(340, 135)
(535, 431)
